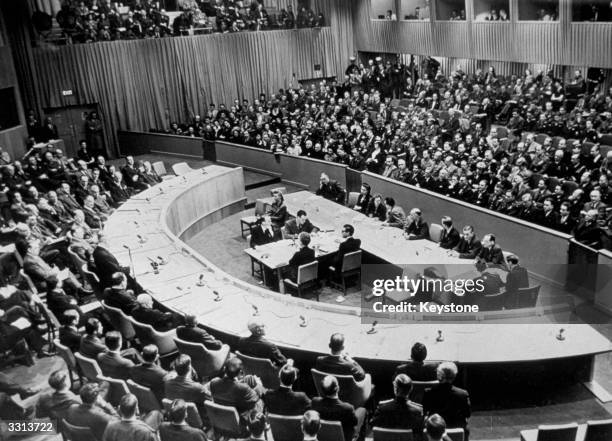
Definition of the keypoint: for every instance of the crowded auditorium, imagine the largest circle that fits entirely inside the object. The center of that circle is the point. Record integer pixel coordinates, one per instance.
(306, 220)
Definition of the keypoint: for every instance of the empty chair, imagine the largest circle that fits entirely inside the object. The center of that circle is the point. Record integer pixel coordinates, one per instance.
(193, 416)
(419, 388)
(353, 197)
(120, 322)
(88, 366)
(181, 168)
(457, 434)
(435, 232)
(262, 367)
(117, 389)
(382, 434)
(76, 433)
(147, 400)
(351, 266)
(68, 357)
(159, 168)
(351, 391)
(285, 428)
(307, 277)
(224, 420)
(525, 297)
(330, 431)
(598, 430)
(561, 432)
(284, 234)
(207, 363)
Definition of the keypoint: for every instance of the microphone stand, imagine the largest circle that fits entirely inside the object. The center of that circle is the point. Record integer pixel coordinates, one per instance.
(131, 262)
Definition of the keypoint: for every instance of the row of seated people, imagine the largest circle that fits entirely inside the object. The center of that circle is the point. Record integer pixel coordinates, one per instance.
(355, 126)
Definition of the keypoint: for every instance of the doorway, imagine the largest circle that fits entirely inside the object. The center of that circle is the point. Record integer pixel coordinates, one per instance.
(70, 122)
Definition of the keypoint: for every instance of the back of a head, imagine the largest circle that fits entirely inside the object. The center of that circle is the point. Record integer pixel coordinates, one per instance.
(336, 342)
(447, 372)
(92, 325)
(233, 367)
(117, 278)
(402, 385)
(128, 405)
(257, 424)
(182, 364)
(191, 320)
(435, 426)
(304, 238)
(89, 393)
(311, 423)
(178, 411)
(57, 379)
(113, 340)
(418, 352)
(149, 353)
(329, 386)
(288, 375)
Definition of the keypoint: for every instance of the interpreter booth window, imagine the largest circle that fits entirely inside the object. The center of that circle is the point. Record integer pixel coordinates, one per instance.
(414, 9)
(592, 10)
(383, 10)
(492, 10)
(538, 10)
(452, 10)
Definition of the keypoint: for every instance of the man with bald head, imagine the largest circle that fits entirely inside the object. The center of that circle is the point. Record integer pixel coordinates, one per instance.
(144, 312)
(256, 345)
(339, 362)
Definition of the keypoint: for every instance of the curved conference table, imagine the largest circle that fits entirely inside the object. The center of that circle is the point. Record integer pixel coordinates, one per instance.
(155, 224)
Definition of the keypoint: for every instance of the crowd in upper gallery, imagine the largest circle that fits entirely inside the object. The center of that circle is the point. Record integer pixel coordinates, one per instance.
(102, 20)
(531, 146)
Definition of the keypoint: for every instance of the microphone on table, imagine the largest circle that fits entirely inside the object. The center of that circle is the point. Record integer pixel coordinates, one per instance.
(217, 296)
(162, 261)
(161, 190)
(303, 323)
(141, 239)
(373, 329)
(155, 267)
(138, 211)
(255, 311)
(137, 224)
(204, 171)
(200, 281)
(560, 335)
(439, 338)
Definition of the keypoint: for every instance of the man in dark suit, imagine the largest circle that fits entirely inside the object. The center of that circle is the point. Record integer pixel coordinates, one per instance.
(490, 254)
(55, 404)
(256, 345)
(182, 384)
(130, 427)
(363, 200)
(144, 312)
(107, 265)
(285, 401)
(69, 334)
(301, 257)
(91, 343)
(348, 245)
(228, 391)
(117, 296)
(330, 189)
(566, 222)
(416, 368)
(588, 232)
(517, 277)
(377, 209)
(331, 408)
(149, 373)
(301, 223)
(339, 362)
(468, 246)
(415, 227)
(111, 361)
(311, 424)
(549, 217)
(450, 402)
(450, 236)
(400, 413)
(88, 414)
(177, 429)
(193, 333)
(262, 233)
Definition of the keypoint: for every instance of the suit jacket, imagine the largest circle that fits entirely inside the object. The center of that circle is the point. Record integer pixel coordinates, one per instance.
(588, 234)
(36, 268)
(566, 225)
(468, 250)
(120, 298)
(550, 219)
(494, 255)
(292, 228)
(114, 365)
(89, 416)
(396, 217)
(450, 402)
(363, 202)
(185, 388)
(331, 191)
(230, 393)
(150, 375)
(302, 256)
(161, 321)
(333, 364)
(449, 239)
(332, 409)
(284, 401)
(133, 430)
(106, 265)
(55, 404)
(261, 237)
(350, 245)
(180, 432)
(399, 414)
(58, 302)
(91, 346)
(70, 337)
(257, 346)
(379, 212)
(198, 335)
(518, 277)
(418, 371)
(420, 229)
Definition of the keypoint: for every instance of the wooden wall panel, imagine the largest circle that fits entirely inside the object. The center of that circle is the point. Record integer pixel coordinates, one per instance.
(590, 44)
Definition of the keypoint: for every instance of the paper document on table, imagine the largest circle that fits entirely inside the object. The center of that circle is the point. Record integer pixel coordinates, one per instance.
(21, 323)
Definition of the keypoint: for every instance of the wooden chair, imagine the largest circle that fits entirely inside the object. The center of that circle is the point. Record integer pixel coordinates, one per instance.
(71, 363)
(224, 420)
(263, 368)
(330, 431)
(560, 432)
(117, 389)
(120, 322)
(435, 232)
(285, 428)
(181, 168)
(88, 366)
(351, 266)
(351, 391)
(352, 199)
(76, 433)
(246, 225)
(382, 434)
(419, 388)
(207, 363)
(284, 233)
(598, 430)
(147, 400)
(193, 415)
(457, 434)
(307, 277)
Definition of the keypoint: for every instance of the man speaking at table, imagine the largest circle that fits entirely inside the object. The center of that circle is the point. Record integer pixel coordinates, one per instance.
(301, 224)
